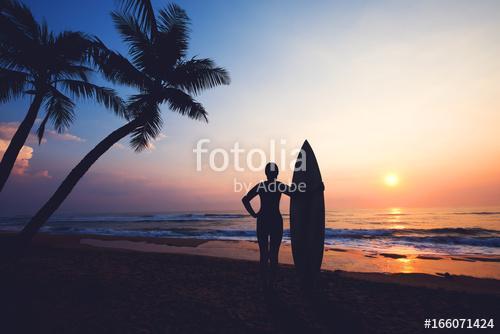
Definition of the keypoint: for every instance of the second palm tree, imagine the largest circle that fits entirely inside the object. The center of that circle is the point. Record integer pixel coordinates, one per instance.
(162, 74)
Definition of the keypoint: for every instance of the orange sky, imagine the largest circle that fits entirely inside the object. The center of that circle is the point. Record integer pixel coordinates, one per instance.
(376, 87)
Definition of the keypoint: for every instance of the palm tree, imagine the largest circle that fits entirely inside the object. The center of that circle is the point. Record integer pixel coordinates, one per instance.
(162, 74)
(45, 66)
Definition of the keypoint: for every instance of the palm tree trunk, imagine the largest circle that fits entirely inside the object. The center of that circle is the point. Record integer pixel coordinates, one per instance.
(72, 179)
(17, 142)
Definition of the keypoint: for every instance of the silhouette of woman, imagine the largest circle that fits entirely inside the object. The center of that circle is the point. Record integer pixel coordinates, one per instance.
(269, 221)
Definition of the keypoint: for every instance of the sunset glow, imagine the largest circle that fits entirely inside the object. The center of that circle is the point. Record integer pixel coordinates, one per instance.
(400, 106)
(391, 180)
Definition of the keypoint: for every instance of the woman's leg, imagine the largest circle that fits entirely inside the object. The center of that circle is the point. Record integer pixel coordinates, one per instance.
(263, 239)
(275, 243)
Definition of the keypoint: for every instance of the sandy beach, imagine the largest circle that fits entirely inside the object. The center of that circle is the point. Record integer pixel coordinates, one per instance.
(335, 258)
(64, 284)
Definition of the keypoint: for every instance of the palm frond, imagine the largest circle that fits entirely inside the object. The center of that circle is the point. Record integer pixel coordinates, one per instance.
(41, 128)
(11, 33)
(140, 45)
(196, 75)
(12, 84)
(115, 67)
(44, 35)
(150, 127)
(172, 18)
(118, 69)
(173, 37)
(103, 95)
(70, 71)
(60, 110)
(16, 47)
(138, 104)
(184, 104)
(144, 11)
(14, 61)
(72, 46)
(20, 15)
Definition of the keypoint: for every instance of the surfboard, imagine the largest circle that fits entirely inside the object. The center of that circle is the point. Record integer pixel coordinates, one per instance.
(307, 217)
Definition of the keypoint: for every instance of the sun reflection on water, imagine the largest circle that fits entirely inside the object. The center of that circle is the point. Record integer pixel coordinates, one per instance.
(395, 211)
(406, 265)
(395, 219)
(398, 227)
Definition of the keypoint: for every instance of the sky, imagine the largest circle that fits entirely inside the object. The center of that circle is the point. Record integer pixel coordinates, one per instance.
(405, 90)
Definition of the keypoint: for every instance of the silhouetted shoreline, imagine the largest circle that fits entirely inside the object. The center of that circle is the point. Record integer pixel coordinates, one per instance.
(63, 287)
(335, 258)
(352, 261)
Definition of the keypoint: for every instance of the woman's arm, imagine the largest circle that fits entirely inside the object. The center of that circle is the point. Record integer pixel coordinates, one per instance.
(247, 198)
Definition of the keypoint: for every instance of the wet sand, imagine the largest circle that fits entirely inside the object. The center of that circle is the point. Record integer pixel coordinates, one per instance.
(335, 258)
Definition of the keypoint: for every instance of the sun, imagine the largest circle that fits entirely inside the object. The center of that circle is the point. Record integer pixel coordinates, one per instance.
(391, 180)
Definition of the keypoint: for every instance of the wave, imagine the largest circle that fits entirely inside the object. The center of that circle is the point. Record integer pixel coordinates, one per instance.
(155, 233)
(475, 233)
(449, 236)
(399, 232)
(392, 214)
(183, 217)
(444, 236)
(480, 242)
(478, 213)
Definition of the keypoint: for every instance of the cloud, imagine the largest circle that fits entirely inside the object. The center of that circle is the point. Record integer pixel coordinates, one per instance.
(22, 164)
(22, 161)
(64, 136)
(119, 146)
(8, 129)
(43, 174)
(151, 146)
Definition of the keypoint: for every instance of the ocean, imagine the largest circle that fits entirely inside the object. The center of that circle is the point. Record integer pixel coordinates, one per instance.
(408, 231)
